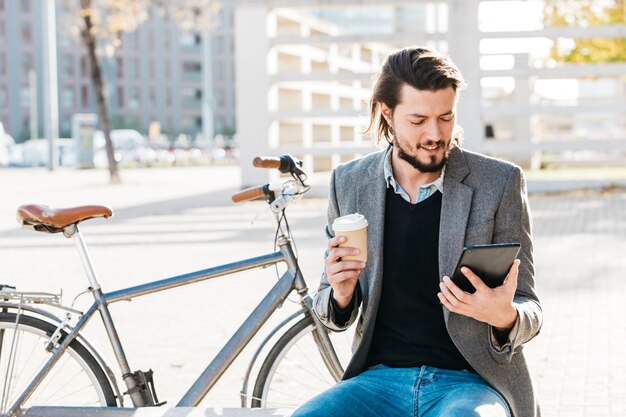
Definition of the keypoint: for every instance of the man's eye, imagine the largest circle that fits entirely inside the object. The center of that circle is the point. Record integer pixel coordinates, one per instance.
(446, 119)
(418, 123)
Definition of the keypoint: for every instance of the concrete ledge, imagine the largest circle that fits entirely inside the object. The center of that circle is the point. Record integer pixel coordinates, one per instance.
(557, 186)
(152, 412)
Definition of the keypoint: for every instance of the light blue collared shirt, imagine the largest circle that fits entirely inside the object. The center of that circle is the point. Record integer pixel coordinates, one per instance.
(424, 191)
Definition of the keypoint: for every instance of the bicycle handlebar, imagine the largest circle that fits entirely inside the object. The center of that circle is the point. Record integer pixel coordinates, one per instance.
(251, 193)
(289, 191)
(286, 164)
(266, 162)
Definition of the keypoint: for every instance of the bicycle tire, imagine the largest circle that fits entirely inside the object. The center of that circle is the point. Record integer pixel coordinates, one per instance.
(299, 381)
(77, 365)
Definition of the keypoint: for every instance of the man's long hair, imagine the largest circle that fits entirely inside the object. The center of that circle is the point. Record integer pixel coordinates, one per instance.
(419, 67)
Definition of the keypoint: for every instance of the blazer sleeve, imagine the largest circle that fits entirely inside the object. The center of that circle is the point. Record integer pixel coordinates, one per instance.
(513, 224)
(321, 303)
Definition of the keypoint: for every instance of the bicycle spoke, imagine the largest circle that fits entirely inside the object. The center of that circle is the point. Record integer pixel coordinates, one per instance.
(76, 377)
(315, 389)
(278, 404)
(319, 376)
(69, 394)
(28, 362)
(44, 384)
(10, 365)
(308, 358)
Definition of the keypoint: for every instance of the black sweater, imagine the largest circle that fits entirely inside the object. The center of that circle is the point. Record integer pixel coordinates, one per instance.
(410, 329)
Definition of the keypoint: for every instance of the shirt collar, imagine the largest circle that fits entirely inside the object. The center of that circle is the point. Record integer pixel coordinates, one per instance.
(391, 181)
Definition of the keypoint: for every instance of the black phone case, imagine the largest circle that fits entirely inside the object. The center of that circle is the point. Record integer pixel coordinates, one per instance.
(490, 262)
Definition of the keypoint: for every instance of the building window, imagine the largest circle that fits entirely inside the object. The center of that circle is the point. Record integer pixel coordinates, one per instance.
(151, 41)
(25, 6)
(2, 31)
(65, 40)
(132, 67)
(192, 94)
(192, 67)
(25, 97)
(27, 63)
(68, 65)
(167, 39)
(26, 33)
(152, 69)
(119, 67)
(84, 96)
(189, 39)
(3, 96)
(67, 98)
(120, 97)
(133, 99)
(3, 64)
(84, 66)
(1, 5)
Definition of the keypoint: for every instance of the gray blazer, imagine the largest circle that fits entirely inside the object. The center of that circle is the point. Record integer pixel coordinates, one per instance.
(484, 201)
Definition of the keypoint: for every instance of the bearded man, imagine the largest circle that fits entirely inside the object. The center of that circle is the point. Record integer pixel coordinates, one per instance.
(424, 347)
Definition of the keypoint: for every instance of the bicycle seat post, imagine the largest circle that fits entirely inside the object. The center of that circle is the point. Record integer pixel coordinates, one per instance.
(72, 231)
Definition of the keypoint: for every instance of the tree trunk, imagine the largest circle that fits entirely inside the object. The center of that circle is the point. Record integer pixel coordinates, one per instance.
(89, 40)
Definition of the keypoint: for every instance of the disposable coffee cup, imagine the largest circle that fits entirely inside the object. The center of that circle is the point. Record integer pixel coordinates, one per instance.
(354, 228)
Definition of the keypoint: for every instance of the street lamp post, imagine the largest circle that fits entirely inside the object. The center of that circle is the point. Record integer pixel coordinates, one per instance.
(207, 86)
(50, 87)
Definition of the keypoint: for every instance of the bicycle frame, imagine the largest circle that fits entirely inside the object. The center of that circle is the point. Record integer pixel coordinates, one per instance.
(290, 280)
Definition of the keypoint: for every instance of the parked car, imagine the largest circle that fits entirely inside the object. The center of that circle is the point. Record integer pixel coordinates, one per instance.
(34, 153)
(130, 147)
(6, 146)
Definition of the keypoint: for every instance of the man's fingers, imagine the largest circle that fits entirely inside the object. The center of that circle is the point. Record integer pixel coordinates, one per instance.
(336, 267)
(474, 279)
(335, 242)
(343, 276)
(449, 295)
(458, 293)
(511, 277)
(337, 253)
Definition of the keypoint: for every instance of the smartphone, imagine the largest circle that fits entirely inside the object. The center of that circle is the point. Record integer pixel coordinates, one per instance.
(490, 262)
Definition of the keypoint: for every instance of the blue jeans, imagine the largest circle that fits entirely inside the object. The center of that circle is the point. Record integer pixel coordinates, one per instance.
(418, 392)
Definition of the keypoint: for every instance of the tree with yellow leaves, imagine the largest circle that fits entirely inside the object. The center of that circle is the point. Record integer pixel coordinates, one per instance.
(586, 13)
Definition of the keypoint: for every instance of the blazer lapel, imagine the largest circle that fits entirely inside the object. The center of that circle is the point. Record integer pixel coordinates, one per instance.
(455, 208)
(371, 195)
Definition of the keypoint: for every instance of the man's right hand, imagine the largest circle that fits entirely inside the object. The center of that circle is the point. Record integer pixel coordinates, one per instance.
(342, 275)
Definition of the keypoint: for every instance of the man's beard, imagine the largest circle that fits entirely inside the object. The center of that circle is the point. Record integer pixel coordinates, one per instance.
(432, 165)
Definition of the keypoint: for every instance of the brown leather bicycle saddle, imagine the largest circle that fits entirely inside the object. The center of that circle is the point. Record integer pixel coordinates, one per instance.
(44, 219)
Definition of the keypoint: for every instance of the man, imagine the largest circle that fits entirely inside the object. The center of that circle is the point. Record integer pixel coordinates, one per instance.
(422, 346)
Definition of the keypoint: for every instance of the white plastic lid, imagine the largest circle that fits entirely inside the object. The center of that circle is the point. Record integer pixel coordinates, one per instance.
(350, 222)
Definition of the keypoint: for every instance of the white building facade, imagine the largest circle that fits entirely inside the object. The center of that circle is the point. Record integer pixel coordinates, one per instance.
(305, 69)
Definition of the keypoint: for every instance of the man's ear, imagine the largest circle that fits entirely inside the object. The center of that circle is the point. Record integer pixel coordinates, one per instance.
(386, 112)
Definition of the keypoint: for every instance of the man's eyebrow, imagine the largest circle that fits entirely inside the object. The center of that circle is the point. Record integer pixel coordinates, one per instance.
(448, 113)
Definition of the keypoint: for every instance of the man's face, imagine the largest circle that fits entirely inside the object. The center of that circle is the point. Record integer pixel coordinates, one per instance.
(423, 123)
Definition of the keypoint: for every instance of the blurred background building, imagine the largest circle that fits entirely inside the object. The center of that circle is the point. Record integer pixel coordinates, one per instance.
(155, 74)
(295, 76)
(520, 104)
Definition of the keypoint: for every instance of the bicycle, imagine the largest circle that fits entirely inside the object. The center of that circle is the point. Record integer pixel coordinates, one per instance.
(45, 361)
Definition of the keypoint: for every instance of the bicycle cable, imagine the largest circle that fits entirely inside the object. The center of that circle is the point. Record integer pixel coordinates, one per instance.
(282, 218)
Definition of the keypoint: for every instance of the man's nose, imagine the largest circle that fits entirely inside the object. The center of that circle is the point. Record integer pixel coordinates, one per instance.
(432, 131)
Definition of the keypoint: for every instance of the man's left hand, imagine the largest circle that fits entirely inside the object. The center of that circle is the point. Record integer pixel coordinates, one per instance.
(490, 305)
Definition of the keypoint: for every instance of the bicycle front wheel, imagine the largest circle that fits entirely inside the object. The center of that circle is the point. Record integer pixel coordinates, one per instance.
(294, 371)
(76, 380)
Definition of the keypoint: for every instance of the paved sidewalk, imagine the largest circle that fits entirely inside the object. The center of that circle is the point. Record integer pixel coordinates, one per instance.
(173, 221)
